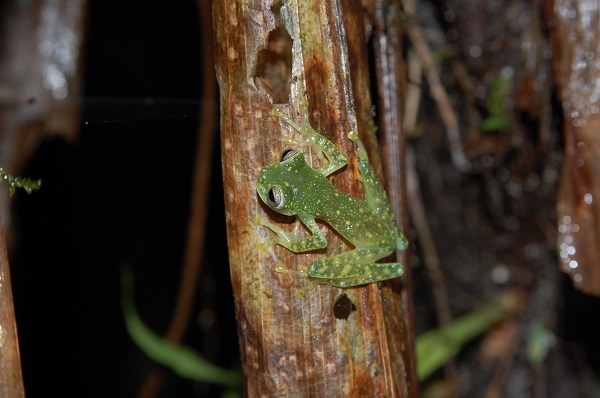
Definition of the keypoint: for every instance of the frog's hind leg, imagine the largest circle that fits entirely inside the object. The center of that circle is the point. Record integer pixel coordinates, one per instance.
(377, 272)
(375, 194)
(354, 268)
(382, 271)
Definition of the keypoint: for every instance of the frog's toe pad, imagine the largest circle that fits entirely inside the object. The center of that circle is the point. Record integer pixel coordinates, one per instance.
(262, 246)
(301, 273)
(281, 269)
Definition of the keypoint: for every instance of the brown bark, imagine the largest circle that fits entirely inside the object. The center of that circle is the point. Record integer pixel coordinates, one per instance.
(11, 378)
(575, 32)
(391, 77)
(289, 345)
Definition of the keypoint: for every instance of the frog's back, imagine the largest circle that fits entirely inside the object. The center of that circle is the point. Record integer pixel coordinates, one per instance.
(355, 220)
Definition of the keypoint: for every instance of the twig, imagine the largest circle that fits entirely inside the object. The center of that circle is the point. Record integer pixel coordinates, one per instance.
(413, 92)
(198, 207)
(494, 389)
(417, 211)
(437, 89)
(391, 75)
(432, 260)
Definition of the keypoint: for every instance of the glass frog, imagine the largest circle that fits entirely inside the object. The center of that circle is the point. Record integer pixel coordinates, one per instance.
(294, 188)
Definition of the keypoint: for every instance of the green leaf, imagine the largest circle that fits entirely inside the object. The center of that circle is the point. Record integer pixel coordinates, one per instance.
(435, 347)
(183, 360)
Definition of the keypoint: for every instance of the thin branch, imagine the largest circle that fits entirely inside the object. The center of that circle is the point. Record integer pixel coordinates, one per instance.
(196, 233)
(391, 84)
(418, 214)
(438, 92)
(498, 380)
(432, 260)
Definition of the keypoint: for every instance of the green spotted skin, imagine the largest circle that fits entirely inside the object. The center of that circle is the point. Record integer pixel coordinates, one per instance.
(293, 188)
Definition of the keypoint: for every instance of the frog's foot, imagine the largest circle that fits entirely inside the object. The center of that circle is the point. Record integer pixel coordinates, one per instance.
(277, 111)
(310, 138)
(401, 241)
(295, 143)
(307, 143)
(289, 240)
(300, 292)
(325, 150)
(361, 152)
(265, 245)
(301, 273)
(258, 220)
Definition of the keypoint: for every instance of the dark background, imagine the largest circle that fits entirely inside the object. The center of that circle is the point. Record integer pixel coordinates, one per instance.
(120, 195)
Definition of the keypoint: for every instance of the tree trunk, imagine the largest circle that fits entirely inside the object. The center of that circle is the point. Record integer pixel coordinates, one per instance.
(311, 50)
(11, 378)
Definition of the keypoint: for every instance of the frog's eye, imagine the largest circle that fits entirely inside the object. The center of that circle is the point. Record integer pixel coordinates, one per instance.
(285, 156)
(275, 197)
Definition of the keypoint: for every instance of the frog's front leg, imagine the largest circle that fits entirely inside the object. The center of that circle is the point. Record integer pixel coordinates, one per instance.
(290, 240)
(314, 140)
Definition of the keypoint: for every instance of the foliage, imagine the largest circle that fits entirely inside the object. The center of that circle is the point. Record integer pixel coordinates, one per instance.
(184, 361)
(27, 184)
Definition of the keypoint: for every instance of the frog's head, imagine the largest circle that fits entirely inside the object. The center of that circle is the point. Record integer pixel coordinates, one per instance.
(278, 183)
